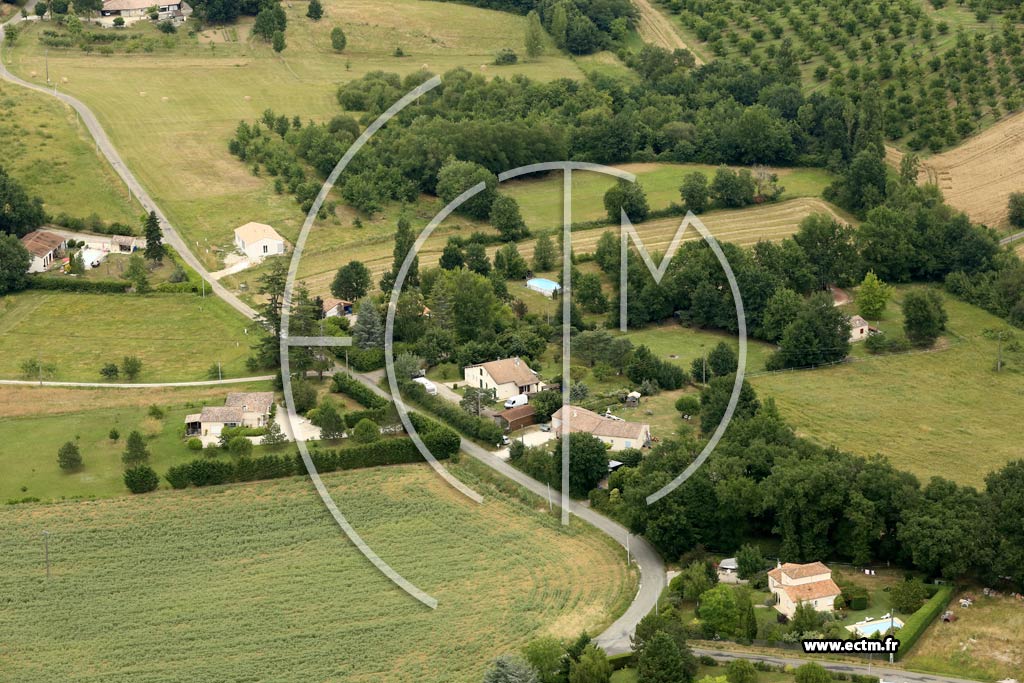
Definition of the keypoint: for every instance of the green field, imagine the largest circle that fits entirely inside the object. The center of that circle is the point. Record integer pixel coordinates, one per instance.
(49, 152)
(171, 112)
(943, 413)
(177, 336)
(256, 582)
(28, 454)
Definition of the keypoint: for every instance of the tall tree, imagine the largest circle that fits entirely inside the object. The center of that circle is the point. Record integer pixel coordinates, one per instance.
(592, 667)
(14, 263)
(315, 11)
(368, 332)
(338, 39)
(135, 450)
(560, 25)
(873, 296)
(511, 669)
(69, 457)
(506, 219)
(351, 282)
(534, 41)
(19, 213)
(694, 192)
(830, 249)
(154, 238)
(924, 317)
(661, 662)
(268, 314)
(451, 255)
(628, 197)
(404, 241)
(820, 334)
(544, 255)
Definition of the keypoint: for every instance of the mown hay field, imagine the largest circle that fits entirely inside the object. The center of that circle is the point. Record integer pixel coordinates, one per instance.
(256, 582)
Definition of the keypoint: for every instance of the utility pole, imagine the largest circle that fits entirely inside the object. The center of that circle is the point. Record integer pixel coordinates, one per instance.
(220, 375)
(47, 53)
(46, 544)
(627, 547)
(999, 358)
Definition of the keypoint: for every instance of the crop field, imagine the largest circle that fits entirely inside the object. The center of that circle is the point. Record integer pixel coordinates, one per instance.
(171, 112)
(178, 337)
(986, 642)
(47, 150)
(256, 582)
(942, 413)
(978, 176)
(36, 421)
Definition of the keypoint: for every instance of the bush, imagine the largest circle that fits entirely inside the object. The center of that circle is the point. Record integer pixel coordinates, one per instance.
(480, 428)
(71, 284)
(688, 405)
(114, 434)
(240, 446)
(365, 360)
(177, 476)
(141, 479)
(346, 384)
(506, 55)
(366, 431)
(69, 457)
(195, 444)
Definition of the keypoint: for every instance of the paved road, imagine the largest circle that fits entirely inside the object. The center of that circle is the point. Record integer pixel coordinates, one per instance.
(887, 674)
(140, 385)
(616, 638)
(1012, 238)
(103, 144)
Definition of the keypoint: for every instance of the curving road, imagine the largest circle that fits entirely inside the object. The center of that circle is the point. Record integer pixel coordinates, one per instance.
(103, 144)
(1010, 239)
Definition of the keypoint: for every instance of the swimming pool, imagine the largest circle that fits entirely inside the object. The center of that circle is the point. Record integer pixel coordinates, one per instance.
(543, 285)
(872, 627)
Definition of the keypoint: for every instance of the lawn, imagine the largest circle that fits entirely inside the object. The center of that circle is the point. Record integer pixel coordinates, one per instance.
(171, 112)
(47, 149)
(944, 413)
(28, 456)
(256, 582)
(178, 337)
(986, 641)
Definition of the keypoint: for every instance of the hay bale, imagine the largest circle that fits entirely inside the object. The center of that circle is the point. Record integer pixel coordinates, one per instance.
(142, 94)
(165, 99)
(247, 98)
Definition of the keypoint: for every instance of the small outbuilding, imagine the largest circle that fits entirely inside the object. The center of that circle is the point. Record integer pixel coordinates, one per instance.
(516, 418)
(258, 241)
(859, 328)
(337, 308)
(729, 566)
(633, 399)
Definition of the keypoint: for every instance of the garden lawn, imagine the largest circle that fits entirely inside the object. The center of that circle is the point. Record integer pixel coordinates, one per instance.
(178, 337)
(47, 150)
(29, 443)
(256, 582)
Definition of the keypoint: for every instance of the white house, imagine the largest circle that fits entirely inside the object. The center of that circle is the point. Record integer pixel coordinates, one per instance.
(240, 409)
(618, 434)
(257, 241)
(136, 10)
(44, 247)
(508, 377)
(812, 583)
(859, 328)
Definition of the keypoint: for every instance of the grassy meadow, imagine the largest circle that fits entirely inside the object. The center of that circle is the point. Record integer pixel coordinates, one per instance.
(48, 151)
(36, 421)
(160, 587)
(942, 413)
(178, 337)
(171, 112)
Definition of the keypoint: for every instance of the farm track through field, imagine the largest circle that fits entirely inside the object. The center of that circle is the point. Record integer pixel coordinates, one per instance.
(656, 29)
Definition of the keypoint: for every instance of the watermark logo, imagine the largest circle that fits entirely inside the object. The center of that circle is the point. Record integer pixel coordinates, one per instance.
(628, 234)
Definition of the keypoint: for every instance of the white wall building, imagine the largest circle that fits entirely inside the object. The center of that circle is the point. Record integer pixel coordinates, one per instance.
(508, 377)
(257, 241)
(812, 583)
(859, 328)
(618, 434)
(45, 248)
(240, 409)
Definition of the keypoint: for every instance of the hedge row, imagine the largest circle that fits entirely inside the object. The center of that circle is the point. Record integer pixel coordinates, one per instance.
(442, 442)
(71, 284)
(362, 360)
(382, 416)
(346, 384)
(481, 428)
(915, 626)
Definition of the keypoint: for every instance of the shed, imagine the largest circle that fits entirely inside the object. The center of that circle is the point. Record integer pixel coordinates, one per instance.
(729, 565)
(516, 418)
(257, 241)
(633, 399)
(859, 328)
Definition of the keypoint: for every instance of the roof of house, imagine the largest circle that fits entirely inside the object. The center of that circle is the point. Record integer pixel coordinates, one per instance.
(110, 5)
(517, 413)
(857, 321)
(126, 240)
(331, 303)
(729, 563)
(254, 232)
(583, 420)
(220, 414)
(509, 370)
(799, 571)
(811, 591)
(251, 401)
(40, 243)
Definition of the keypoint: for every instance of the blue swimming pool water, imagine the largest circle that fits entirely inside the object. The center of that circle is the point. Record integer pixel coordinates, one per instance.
(880, 626)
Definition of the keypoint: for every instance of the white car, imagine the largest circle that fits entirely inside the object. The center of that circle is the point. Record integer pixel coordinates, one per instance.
(516, 401)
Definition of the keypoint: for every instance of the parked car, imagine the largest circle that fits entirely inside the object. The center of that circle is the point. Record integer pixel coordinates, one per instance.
(545, 427)
(516, 401)
(427, 385)
(505, 441)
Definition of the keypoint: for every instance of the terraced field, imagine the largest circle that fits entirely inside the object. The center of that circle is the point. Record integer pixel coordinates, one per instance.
(255, 582)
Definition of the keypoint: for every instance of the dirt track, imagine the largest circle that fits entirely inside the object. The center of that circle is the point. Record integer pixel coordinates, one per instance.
(978, 176)
(656, 29)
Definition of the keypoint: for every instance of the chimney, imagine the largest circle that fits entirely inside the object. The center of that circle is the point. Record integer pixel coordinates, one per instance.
(517, 361)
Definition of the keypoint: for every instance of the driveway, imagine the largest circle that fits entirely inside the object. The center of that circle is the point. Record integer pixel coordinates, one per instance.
(530, 436)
